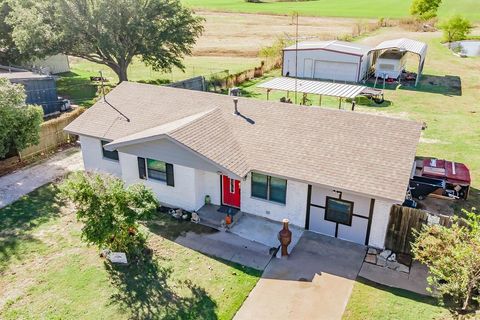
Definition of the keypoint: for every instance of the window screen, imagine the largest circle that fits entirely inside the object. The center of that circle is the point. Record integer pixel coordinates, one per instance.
(339, 211)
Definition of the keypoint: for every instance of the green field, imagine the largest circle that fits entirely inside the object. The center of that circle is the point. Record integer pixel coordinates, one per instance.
(47, 272)
(337, 8)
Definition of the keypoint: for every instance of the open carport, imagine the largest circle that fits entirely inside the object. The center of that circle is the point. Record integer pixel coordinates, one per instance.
(321, 88)
(403, 45)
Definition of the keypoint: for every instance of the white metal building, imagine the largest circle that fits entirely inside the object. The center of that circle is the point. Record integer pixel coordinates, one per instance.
(327, 60)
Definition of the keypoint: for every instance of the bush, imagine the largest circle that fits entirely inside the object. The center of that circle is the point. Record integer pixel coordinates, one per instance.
(456, 28)
(453, 258)
(425, 9)
(19, 123)
(109, 211)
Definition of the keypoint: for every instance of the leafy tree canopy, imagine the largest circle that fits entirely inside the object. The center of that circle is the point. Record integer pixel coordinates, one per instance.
(109, 211)
(425, 9)
(453, 258)
(109, 32)
(456, 28)
(19, 123)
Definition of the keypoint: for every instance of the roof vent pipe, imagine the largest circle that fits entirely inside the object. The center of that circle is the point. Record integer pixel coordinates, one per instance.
(235, 103)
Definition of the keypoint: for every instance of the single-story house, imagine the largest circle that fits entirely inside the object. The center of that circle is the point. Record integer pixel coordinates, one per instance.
(335, 172)
(327, 60)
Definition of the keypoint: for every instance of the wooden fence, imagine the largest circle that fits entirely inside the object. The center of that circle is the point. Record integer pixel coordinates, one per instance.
(232, 80)
(52, 134)
(403, 221)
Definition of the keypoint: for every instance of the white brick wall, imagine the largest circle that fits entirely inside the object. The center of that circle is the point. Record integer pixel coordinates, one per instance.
(294, 209)
(93, 157)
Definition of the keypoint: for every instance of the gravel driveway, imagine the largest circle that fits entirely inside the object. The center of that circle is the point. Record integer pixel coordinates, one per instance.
(17, 184)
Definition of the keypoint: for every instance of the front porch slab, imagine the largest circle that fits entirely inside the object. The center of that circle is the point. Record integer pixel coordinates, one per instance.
(264, 231)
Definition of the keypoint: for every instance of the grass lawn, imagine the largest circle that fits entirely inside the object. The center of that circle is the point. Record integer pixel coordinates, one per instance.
(373, 301)
(46, 271)
(76, 85)
(337, 8)
(447, 100)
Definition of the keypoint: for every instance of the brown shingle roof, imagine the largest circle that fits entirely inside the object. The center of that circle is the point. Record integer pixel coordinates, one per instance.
(363, 153)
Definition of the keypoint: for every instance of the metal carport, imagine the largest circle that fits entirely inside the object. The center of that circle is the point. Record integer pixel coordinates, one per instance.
(403, 44)
(321, 88)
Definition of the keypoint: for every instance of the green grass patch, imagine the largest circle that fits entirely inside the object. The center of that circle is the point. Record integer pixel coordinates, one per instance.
(51, 274)
(372, 301)
(338, 8)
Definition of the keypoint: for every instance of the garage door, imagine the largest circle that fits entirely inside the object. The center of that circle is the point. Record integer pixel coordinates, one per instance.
(338, 71)
(338, 216)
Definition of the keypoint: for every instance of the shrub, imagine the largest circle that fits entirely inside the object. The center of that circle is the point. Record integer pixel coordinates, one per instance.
(109, 211)
(425, 9)
(453, 258)
(456, 28)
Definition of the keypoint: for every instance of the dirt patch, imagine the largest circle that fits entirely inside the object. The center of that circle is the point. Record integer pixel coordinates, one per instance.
(240, 34)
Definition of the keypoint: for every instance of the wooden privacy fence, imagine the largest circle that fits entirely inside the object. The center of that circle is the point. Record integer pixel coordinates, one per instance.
(403, 221)
(232, 80)
(52, 134)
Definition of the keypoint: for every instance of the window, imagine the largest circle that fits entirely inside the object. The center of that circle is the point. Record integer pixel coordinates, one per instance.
(156, 170)
(112, 155)
(384, 66)
(269, 188)
(339, 211)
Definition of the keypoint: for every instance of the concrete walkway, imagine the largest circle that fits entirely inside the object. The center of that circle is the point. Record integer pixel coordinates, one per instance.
(315, 282)
(17, 184)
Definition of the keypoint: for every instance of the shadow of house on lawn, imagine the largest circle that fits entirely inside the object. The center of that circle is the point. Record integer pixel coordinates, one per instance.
(21, 217)
(147, 291)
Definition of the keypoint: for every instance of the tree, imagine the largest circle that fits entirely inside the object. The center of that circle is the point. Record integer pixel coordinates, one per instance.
(456, 28)
(109, 32)
(425, 9)
(109, 211)
(9, 53)
(453, 258)
(19, 123)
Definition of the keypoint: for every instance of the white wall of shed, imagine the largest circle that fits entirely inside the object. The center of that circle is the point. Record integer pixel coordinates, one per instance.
(55, 64)
(93, 159)
(316, 55)
(294, 209)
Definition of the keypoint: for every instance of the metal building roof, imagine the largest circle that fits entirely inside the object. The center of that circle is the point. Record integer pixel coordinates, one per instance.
(334, 45)
(410, 45)
(331, 89)
(404, 44)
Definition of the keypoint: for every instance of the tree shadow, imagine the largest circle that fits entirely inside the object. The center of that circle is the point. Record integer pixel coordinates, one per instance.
(20, 217)
(169, 228)
(147, 291)
(79, 89)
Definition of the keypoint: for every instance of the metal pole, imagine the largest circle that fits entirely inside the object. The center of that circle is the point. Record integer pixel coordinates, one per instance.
(296, 55)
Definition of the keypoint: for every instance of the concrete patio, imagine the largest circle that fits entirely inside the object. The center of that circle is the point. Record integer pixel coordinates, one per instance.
(263, 231)
(314, 282)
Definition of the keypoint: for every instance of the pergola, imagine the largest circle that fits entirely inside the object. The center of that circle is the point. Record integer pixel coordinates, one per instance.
(321, 88)
(417, 47)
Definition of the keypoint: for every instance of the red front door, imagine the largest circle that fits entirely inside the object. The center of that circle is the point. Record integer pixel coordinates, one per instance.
(231, 192)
